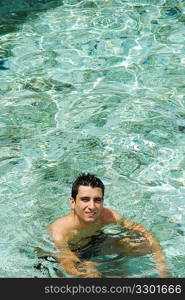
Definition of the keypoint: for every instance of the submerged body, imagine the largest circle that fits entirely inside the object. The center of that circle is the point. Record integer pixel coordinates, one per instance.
(73, 232)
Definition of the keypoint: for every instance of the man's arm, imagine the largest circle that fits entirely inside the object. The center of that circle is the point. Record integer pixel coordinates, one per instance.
(69, 261)
(152, 245)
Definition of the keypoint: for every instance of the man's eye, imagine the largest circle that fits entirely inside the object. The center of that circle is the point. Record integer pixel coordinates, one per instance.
(98, 200)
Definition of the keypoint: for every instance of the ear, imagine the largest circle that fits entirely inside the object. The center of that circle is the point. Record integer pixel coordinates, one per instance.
(72, 202)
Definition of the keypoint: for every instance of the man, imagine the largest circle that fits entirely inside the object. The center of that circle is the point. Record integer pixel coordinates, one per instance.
(77, 234)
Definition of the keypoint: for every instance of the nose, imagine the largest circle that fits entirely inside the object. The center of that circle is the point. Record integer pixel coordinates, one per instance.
(91, 204)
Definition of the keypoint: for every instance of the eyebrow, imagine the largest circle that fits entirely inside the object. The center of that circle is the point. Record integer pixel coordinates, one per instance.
(96, 198)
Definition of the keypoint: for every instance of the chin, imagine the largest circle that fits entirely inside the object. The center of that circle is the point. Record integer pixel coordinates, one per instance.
(90, 220)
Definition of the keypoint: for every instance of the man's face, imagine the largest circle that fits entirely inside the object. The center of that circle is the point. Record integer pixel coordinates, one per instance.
(88, 203)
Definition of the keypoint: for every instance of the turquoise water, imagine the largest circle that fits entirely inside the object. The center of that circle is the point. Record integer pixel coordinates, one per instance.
(94, 86)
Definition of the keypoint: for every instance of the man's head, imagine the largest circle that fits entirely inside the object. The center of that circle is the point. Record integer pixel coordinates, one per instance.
(87, 198)
(86, 179)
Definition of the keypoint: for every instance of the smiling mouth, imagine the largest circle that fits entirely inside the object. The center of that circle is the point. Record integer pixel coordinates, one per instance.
(90, 214)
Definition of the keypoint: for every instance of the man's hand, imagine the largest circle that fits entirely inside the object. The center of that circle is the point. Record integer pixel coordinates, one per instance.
(133, 248)
(92, 271)
(84, 269)
(165, 274)
(91, 263)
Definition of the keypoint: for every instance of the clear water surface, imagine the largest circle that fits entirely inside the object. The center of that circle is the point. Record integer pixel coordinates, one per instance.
(94, 86)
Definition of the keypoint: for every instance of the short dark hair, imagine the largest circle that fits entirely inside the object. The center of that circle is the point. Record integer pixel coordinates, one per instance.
(86, 179)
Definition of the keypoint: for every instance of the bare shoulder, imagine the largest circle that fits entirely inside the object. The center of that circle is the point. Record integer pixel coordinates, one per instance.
(59, 228)
(110, 216)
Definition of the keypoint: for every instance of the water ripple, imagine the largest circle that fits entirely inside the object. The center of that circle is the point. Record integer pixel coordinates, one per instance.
(92, 86)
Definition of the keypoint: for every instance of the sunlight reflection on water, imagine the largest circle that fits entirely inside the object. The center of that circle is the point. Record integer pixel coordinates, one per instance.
(92, 86)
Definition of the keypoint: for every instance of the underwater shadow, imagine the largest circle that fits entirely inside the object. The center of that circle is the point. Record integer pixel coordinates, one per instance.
(13, 13)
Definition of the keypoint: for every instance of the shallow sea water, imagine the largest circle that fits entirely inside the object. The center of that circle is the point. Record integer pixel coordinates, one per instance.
(95, 86)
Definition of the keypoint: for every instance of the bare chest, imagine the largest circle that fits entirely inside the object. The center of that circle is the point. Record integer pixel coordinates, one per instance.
(81, 238)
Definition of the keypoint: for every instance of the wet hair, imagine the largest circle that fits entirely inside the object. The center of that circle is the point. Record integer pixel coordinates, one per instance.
(86, 179)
